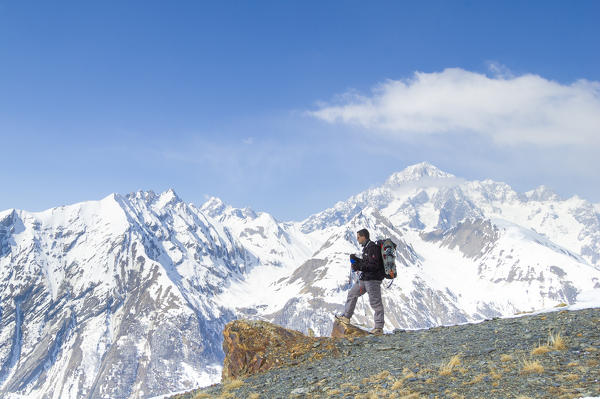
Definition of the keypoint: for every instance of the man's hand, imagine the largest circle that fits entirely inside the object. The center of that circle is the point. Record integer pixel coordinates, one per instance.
(354, 262)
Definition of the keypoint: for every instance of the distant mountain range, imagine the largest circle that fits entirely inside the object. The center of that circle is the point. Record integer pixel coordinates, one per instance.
(127, 297)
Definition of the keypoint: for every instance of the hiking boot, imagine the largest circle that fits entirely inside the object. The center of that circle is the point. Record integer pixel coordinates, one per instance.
(376, 331)
(342, 319)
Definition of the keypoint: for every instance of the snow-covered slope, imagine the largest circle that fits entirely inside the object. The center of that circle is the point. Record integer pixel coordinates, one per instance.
(126, 297)
(113, 298)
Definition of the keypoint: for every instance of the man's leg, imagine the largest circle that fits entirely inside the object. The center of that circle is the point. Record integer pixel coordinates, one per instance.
(356, 291)
(373, 287)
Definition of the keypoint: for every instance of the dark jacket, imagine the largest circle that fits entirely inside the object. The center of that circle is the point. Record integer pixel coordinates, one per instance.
(371, 264)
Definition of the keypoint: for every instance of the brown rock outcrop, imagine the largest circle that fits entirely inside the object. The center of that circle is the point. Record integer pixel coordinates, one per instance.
(254, 346)
(341, 330)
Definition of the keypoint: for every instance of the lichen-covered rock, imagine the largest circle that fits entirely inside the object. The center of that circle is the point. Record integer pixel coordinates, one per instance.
(341, 330)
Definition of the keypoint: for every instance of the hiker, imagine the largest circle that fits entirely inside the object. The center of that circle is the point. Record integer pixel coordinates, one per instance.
(371, 276)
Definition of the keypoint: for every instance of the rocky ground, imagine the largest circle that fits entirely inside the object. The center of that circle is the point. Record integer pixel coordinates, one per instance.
(550, 355)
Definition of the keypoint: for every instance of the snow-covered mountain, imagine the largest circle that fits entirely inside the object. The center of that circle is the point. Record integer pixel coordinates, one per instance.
(127, 297)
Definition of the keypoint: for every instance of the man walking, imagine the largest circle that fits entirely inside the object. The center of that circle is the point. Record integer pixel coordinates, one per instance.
(373, 272)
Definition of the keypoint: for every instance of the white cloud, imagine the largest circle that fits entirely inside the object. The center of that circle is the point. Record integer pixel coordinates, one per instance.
(527, 109)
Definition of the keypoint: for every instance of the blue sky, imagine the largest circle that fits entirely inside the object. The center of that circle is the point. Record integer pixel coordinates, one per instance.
(285, 106)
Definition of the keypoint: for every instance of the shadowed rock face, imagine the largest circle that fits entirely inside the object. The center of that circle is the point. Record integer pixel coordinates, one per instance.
(473, 237)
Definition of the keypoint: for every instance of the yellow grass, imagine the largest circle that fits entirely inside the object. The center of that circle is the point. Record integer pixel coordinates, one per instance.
(476, 380)
(554, 342)
(531, 366)
(446, 369)
(383, 375)
(572, 377)
(371, 395)
(405, 396)
(495, 374)
(202, 396)
(397, 384)
(506, 358)
(557, 342)
(540, 350)
(233, 384)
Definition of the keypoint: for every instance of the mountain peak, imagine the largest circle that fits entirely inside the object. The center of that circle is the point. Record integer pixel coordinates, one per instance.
(168, 197)
(417, 172)
(213, 206)
(542, 193)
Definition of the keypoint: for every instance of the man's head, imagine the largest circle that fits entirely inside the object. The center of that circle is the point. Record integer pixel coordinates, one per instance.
(362, 236)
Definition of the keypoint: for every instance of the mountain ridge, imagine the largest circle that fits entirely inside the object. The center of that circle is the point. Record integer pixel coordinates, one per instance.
(128, 296)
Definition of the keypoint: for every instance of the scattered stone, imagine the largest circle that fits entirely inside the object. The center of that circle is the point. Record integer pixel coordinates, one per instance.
(492, 357)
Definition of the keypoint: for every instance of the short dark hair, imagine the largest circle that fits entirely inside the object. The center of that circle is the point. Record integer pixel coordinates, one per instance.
(363, 233)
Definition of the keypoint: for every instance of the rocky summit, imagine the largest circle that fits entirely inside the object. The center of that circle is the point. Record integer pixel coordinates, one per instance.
(546, 355)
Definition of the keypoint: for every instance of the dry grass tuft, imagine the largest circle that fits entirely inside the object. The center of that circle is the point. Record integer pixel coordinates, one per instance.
(476, 380)
(531, 366)
(405, 395)
(557, 342)
(383, 375)
(554, 342)
(446, 369)
(397, 385)
(495, 374)
(202, 396)
(540, 350)
(561, 305)
(506, 358)
(233, 384)
(572, 377)
(372, 395)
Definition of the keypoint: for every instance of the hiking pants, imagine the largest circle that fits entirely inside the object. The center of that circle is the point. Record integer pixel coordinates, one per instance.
(373, 288)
